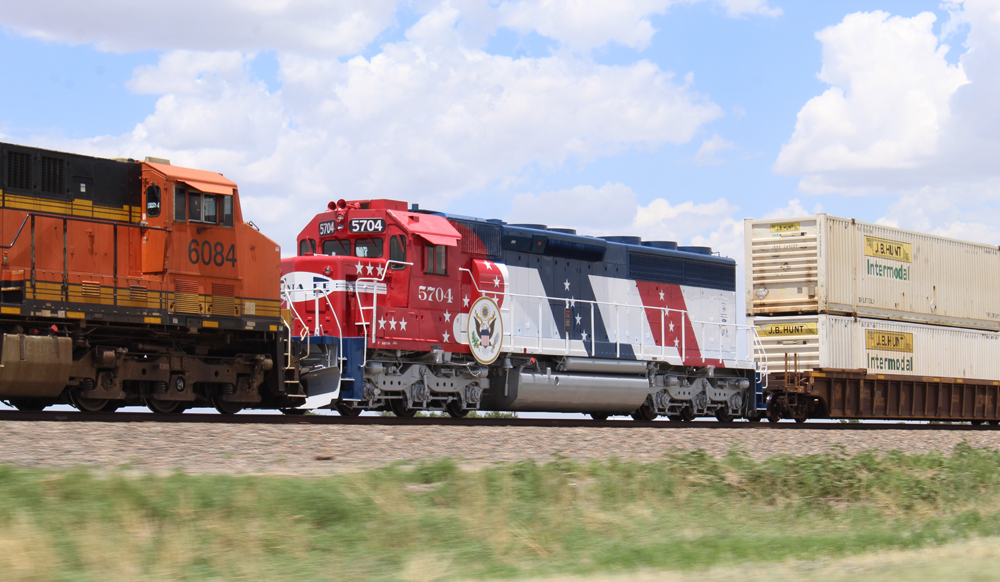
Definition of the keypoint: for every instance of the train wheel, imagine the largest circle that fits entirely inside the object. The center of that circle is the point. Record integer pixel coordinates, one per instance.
(293, 411)
(722, 415)
(753, 418)
(687, 414)
(598, 416)
(976, 422)
(28, 404)
(165, 406)
(800, 419)
(91, 404)
(455, 409)
(398, 407)
(995, 423)
(644, 413)
(674, 417)
(347, 410)
(226, 407)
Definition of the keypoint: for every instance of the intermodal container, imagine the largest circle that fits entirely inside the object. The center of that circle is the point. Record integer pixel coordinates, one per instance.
(825, 264)
(878, 346)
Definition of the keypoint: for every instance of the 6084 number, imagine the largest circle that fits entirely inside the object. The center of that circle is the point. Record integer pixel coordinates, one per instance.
(209, 253)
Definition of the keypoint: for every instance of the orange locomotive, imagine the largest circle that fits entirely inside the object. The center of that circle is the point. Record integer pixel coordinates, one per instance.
(126, 282)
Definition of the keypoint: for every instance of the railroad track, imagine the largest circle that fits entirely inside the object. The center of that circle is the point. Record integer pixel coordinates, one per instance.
(131, 417)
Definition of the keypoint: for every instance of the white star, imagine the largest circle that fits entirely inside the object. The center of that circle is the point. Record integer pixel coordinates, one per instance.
(370, 268)
(566, 284)
(381, 269)
(496, 281)
(465, 301)
(402, 324)
(446, 336)
(671, 326)
(676, 341)
(661, 295)
(447, 316)
(381, 323)
(584, 334)
(578, 318)
(360, 267)
(572, 301)
(489, 265)
(392, 323)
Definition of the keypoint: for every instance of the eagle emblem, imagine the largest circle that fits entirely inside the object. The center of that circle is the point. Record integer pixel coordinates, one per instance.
(485, 330)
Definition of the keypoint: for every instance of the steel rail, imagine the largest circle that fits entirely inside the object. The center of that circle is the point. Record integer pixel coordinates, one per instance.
(148, 417)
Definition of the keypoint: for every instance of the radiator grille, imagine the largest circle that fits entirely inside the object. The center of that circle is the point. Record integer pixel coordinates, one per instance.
(18, 170)
(223, 299)
(138, 293)
(52, 175)
(186, 296)
(91, 289)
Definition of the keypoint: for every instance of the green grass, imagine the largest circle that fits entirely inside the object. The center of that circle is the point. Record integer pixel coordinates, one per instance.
(434, 521)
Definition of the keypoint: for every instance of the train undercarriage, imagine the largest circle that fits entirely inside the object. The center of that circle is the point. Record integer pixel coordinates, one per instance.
(102, 367)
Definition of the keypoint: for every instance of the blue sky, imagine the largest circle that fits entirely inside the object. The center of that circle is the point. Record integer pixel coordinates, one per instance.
(667, 119)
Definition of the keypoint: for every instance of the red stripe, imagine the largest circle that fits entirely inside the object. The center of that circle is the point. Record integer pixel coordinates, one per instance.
(673, 299)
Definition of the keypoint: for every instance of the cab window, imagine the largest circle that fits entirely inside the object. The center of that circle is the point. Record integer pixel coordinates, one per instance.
(194, 206)
(209, 209)
(153, 201)
(397, 252)
(369, 248)
(227, 211)
(337, 247)
(180, 204)
(307, 245)
(436, 260)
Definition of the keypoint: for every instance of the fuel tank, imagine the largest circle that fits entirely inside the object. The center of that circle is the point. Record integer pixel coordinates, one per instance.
(551, 391)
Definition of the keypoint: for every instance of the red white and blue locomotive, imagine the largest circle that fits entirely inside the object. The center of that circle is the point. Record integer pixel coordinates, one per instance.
(394, 308)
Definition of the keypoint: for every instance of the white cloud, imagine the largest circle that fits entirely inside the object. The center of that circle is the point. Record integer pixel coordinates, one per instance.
(427, 119)
(739, 8)
(706, 155)
(583, 25)
(330, 27)
(613, 209)
(900, 120)
(890, 87)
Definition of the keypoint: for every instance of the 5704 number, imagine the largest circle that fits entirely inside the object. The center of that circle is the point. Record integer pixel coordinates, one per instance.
(209, 253)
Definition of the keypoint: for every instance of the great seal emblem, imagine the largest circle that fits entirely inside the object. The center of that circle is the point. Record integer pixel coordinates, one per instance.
(485, 330)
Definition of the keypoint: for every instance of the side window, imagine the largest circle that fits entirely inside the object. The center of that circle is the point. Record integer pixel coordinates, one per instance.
(369, 248)
(337, 247)
(211, 210)
(153, 201)
(227, 211)
(397, 252)
(180, 204)
(194, 206)
(307, 245)
(436, 260)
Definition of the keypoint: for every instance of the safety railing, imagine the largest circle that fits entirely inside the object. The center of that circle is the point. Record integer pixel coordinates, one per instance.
(605, 308)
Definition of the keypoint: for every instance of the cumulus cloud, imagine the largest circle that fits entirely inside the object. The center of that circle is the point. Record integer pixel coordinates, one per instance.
(427, 119)
(900, 119)
(329, 27)
(889, 94)
(583, 25)
(706, 155)
(613, 209)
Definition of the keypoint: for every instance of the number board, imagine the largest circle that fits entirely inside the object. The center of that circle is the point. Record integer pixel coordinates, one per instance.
(366, 225)
(327, 228)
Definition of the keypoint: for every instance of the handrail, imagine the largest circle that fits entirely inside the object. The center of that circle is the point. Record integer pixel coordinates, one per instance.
(29, 214)
(664, 313)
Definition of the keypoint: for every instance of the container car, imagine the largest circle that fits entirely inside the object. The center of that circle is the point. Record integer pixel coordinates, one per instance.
(825, 264)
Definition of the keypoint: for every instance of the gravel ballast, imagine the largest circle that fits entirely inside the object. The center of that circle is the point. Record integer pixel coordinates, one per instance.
(319, 449)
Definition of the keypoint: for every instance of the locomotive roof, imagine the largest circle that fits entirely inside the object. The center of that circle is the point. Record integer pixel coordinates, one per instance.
(202, 180)
(588, 241)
